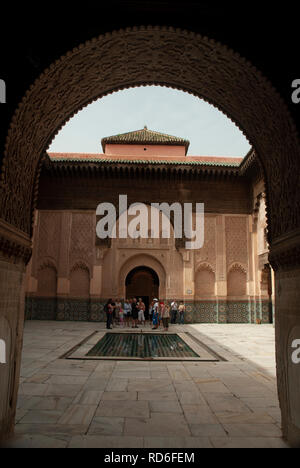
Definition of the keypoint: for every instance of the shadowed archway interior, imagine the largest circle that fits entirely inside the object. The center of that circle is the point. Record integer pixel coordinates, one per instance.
(142, 282)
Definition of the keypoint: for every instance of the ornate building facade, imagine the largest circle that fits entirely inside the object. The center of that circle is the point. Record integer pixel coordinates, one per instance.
(72, 272)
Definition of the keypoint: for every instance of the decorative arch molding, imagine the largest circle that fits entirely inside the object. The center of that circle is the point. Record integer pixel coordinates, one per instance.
(148, 205)
(237, 280)
(257, 202)
(205, 266)
(47, 262)
(143, 56)
(145, 260)
(236, 266)
(81, 265)
(80, 280)
(47, 278)
(261, 223)
(205, 280)
(257, 206)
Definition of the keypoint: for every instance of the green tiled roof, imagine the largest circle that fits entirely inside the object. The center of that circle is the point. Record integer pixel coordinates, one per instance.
(146, 161)
(145, 137)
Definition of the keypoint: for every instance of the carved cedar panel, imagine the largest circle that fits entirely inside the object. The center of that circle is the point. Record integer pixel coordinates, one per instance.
(262, 228)
(208, 252)
(236, 241)
(236, 282)
(47, 281)
(80, 282)
(49, 236)
(82, 239)
(204, 282)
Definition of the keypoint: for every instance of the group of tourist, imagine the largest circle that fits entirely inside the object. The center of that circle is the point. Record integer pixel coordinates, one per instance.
(132, 312)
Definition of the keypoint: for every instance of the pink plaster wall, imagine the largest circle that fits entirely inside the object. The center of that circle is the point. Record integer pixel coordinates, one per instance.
(139, 150)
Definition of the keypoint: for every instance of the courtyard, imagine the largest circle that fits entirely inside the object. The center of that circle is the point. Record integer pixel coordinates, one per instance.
(228, 401)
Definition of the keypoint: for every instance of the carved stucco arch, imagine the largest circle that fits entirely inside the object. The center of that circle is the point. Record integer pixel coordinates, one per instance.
(143, 56)
(205, 266)
(47, 262)
(145, 260)
(149, 207)
(237, 266)
(81, 264)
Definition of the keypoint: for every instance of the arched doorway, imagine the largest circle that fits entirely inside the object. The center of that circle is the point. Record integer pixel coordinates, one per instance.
(135, 269)
(142, 282)
(186, 61)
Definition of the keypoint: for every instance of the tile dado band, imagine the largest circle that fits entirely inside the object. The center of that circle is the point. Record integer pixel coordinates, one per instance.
(196, 311)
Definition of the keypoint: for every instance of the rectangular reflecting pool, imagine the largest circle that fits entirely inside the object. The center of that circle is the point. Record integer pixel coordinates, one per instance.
(143, 346)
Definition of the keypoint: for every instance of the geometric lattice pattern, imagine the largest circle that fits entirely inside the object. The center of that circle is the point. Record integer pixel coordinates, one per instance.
(236, 240)
(49, 235)
(205, 312)
(236, 282)
(82, 238)
(238, 312)
(208, 252)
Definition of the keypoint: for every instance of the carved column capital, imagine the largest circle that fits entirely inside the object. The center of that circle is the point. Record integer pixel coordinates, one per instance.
(285, 251)
(15, 245)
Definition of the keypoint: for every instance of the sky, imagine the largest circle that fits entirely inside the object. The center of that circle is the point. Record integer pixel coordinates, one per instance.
(161, 109)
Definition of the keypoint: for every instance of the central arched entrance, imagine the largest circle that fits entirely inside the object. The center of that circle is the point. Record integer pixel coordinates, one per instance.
(142, 282)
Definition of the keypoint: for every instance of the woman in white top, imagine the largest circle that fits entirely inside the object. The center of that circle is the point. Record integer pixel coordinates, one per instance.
(118, 307)
(127, 312)
(181, 309)
(165, 315)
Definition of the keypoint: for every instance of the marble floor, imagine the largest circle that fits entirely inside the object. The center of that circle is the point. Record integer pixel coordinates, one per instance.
(66, 403)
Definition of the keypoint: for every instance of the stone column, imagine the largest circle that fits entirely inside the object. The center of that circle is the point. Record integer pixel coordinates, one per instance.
(31, 270)
(273, 295)
(221, 274)
(115, 272)
(63, 281)
(221, 270)
(251, 242)
(188, 275)
(250, 279)
(255, 312)
(96, 281)
(15, 252)
(285, 259)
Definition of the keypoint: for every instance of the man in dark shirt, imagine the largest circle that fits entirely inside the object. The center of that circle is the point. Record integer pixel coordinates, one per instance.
(135, 313)
(109, 309)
